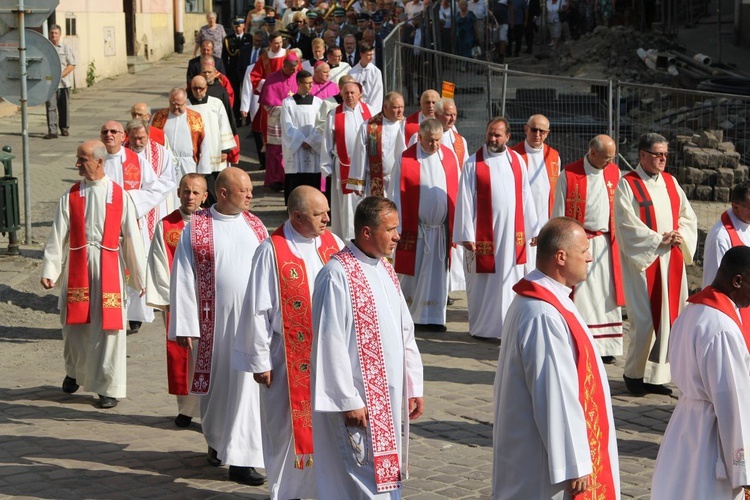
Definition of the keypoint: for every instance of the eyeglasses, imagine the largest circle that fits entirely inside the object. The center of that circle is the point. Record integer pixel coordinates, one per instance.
(656, 155)
(111, 131)
(535, 130)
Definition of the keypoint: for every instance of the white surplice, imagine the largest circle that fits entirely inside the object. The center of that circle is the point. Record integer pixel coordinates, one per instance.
(249, 100)
(151, 193)
(96, 358)
(426, 291)
(340, 70)
(342, 205)
(177, 132)
(219, 134)
(230, 411)
(372, 85)
(718, 242)
(489, 294)
(540, 441)
(539, 181)
(595, 297)
(157, 296)
(337, 376)
(702, 453)
(639, 248)
(392, 140)
(260, 347)
(298, 126)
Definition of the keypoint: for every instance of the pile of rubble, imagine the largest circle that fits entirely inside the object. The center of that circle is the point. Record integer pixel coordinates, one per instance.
(611, 53)
(707, 167)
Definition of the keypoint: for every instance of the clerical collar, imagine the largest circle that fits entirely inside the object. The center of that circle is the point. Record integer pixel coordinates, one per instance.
(333, 66)
(303, 99)
(194, 100)
(369, 259)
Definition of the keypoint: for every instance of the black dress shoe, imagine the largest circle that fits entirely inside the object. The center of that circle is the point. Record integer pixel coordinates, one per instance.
(658, 389)
(430, 327)
(246, 475)
(134, 326)
(182, 420)
(106, 402)
(212, 457)
(69, 385)
(451, 301)
(635, 386)
(608, 360)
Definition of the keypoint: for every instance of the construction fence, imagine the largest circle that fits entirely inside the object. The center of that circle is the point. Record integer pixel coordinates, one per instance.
(708, 132)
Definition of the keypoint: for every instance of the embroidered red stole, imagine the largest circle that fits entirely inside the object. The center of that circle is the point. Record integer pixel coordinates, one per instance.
(712, 297)
(202, 242)
(155, 157)
(297, 332)
(131, 170)
(590, 394)
(411, 126)
(177, 356)
(458, 147)
(375, 154)
(406, 251)
(78, 291)
(374, 374)
(551, 165)
(485, 234)
(653, 272)
(575, 207)
(339, 132)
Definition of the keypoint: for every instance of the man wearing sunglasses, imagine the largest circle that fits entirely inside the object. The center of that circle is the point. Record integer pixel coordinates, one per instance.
(657, 232)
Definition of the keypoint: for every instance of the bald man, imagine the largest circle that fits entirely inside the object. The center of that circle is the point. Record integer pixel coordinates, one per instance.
(586, 192)
(210, 273)
(275, 337)
(142, 111)
(426, 110)
(543, 163)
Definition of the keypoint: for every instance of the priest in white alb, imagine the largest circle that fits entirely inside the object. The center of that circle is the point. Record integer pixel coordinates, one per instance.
(554, 430)
(363, 398)
(731, 230)
(378, 149)
(94, 240)
(425, 187)
(210, 273)
(180, 361)
(657, 231)
(702, 454)
(274, 341)
(339, 141)
(216, 125)
(496, 222)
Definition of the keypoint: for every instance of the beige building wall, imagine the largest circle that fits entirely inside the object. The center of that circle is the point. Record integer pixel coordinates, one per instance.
(154, 35)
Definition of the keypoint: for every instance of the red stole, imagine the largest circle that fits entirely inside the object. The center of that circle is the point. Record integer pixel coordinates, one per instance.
(485, 234)
(734, 238)
(551, 164)
(131, 170)
(406, 251)
(590, 394)
(339, 132)
(458, 147)
(575, 207)
(375, 377)
(177, 356)
(155, 157)
(411, 126)
(156, 134)
(297, 332)
(712, 297)
(202, 242)
(375, 153)
(78, 291)
(653, 272)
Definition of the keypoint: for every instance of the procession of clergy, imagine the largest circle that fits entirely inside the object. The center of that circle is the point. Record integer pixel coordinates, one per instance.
(297, 349)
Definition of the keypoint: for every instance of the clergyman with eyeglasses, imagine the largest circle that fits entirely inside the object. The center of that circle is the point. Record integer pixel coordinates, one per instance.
(656, 229)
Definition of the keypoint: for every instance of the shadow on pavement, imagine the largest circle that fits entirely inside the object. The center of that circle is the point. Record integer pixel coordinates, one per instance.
(454, 432)
(458, 375)
(19, 334)
(46, 303)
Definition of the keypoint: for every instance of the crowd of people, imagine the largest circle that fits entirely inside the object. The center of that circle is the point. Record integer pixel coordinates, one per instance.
(297, 350)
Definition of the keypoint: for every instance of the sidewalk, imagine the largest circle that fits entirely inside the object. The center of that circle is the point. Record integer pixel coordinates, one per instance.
(54, 445)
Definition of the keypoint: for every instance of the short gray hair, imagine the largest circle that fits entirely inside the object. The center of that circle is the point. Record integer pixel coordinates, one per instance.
(135, 125)
(430, 126)
(99, 152)
(440, 104)
(647, 141)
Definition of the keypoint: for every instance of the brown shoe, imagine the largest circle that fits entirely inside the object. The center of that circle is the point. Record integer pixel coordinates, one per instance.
(64, 132)
(50, 136)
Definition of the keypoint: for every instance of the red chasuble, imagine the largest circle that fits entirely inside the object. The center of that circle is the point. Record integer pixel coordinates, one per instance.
(590, 394)
(485, 234)
(339, 133)
(653, 272)
(195, 125)
(375, 154)
(177, 356)
(297, 332)
(202, 241)
(575, 207)
(78, 291)
(411, 126)
(712, 297)
(406, 251)
(551, 164)
(374, 374)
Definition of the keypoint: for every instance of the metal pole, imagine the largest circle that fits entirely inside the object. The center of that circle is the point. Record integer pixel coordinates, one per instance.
(610, 120)
(505, 90)
(718, 26)
(488, 72)
(616, 136)
(24, 121)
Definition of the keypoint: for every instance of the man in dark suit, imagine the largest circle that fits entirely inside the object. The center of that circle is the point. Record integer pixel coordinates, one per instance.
(351, 54)
(194, 64)
(298, 39)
